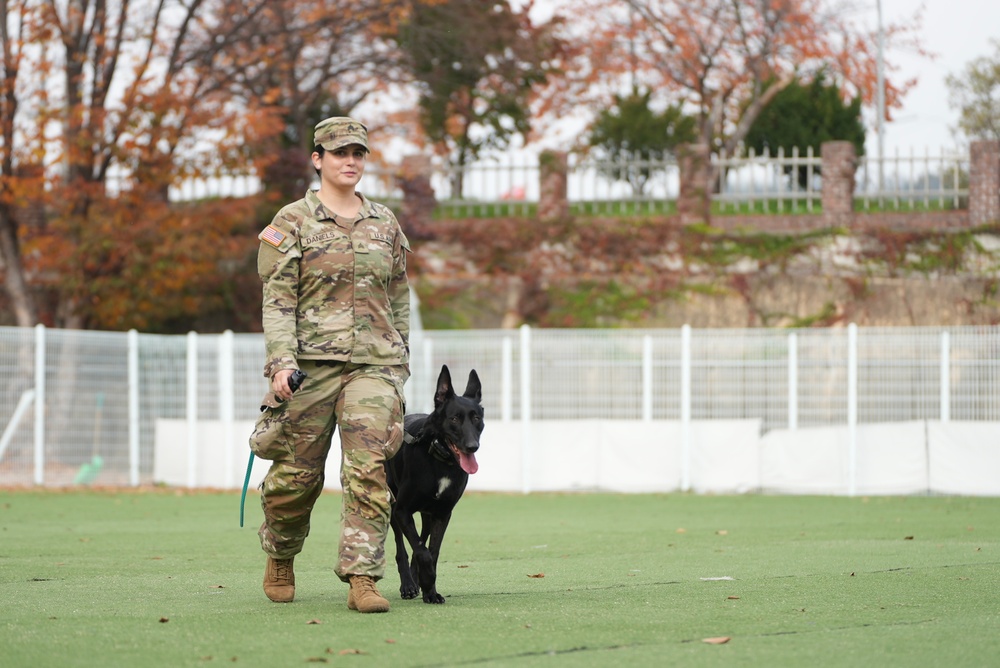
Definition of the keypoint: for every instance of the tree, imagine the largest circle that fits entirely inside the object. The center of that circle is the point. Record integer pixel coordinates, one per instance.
(115, 112)
(631, 136)
(805, 116)
(21, 25)
(476, 65)
(304, 60)
(127, 99)
(976, 94)
(725, 59)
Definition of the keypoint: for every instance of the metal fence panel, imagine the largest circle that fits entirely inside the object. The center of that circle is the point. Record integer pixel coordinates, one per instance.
(95, 406)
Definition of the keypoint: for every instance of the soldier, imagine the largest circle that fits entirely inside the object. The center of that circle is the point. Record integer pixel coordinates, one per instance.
(336, 306)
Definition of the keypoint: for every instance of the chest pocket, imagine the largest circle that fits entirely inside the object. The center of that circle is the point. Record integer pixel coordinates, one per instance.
(374, 255)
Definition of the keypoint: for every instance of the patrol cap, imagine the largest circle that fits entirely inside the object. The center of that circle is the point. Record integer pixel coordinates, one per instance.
(340, 131)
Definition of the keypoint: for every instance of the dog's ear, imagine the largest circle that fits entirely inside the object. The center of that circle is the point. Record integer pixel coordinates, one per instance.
(474, 390)
(444, 389)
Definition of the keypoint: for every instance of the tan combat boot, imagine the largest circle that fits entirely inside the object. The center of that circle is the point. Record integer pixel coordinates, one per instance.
(364, 596)
(279, 580)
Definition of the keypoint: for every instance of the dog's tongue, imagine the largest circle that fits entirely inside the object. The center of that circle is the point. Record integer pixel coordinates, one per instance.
(468, 462)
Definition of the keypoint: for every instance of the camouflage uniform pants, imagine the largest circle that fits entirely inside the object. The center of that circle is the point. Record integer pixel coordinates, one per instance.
(366, 402)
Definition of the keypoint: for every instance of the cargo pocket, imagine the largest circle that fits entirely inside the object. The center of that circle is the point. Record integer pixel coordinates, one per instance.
(394, 435)
(270, 438)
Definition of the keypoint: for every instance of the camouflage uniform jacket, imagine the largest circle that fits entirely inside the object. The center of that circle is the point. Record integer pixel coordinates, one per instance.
(334, 289)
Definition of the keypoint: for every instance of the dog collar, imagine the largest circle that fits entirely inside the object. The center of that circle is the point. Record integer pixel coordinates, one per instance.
(436, 448)
(440, 451)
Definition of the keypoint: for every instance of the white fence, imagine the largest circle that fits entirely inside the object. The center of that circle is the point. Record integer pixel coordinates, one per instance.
(747, 182)
(109, 408)
(751, 181)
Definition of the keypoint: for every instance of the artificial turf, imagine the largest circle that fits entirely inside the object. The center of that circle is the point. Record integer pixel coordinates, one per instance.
(163, 577)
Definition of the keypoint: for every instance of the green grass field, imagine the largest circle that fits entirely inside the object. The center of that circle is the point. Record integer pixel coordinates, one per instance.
(165, 578)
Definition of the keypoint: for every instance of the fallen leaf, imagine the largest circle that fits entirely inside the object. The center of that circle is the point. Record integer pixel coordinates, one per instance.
(732, 598)
(852, 574)
(721, 640)
(391, 641)
(908, 538)
(164, 620)
(463, 565)
(317, 659)
(314, 621)
(345, 652)
(537, 575)
(217, 587)
(722, 532)
(681, 530)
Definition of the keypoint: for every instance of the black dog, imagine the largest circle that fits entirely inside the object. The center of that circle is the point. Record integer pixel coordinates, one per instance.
(428, 476)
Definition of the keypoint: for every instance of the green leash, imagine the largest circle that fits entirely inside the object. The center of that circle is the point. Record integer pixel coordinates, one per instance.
(246, 483)
(294, 382)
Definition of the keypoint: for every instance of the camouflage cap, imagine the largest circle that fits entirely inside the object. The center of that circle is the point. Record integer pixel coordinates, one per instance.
(340, 131)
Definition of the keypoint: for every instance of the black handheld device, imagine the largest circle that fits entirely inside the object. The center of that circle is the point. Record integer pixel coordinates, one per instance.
(296, 379)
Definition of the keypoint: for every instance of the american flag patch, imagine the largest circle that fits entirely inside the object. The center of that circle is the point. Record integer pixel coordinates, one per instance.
(272, 235)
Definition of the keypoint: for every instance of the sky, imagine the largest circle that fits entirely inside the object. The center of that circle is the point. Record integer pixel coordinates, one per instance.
(958, 31)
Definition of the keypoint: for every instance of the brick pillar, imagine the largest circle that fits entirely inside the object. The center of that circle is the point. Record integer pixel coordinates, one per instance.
(552, 202)
(984, 183)
(839, 165)
(694, 162)
(417, 209)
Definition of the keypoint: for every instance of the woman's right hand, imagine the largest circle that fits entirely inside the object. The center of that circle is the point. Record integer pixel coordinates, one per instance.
(279, 384)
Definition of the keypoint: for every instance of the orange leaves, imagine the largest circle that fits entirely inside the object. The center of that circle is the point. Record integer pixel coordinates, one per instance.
(717, 55)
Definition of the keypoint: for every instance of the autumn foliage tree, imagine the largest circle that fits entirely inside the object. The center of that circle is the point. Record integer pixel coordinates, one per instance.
(725, 59)
(103, 113)
(21, 149)
(108, 106)
(305, 60)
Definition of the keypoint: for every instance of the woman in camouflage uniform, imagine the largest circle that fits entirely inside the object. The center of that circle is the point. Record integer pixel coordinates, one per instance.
(336, 306)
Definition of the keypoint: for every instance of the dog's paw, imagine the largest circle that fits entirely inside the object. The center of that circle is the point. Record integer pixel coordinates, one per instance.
(433, 597)
(408, 592)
